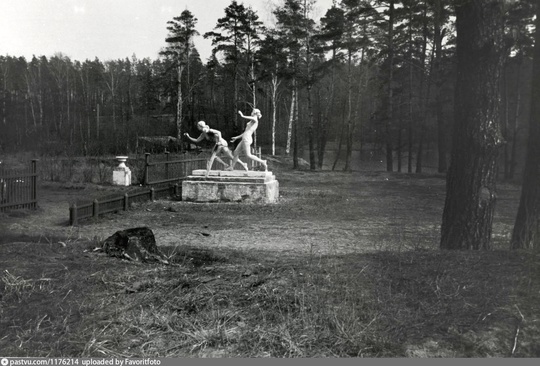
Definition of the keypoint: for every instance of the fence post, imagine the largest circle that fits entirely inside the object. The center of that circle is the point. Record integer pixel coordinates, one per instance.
(176, 189)
(253, 152)
(167, 164)
(146, 168)
(73, 214)
(152, 194)
(34, 184)
(95, 208)
(126, 201)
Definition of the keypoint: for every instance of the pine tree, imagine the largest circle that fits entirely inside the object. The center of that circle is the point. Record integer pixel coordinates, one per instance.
(526, 232)
(471, 180)
(181, 32)
(331, 35)
(239, 29)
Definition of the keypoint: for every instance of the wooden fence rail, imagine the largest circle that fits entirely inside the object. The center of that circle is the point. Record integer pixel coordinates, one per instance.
(167, 171)
(160, 172)
(98, 208)
(163, 177)
(18, 188)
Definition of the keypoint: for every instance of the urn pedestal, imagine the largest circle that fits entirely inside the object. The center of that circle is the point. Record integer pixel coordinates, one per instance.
(122, 174)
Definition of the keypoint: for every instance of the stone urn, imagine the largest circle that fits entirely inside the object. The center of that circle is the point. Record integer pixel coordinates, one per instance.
(122, 174)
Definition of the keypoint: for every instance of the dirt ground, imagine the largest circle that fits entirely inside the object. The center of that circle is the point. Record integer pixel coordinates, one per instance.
(317, 213)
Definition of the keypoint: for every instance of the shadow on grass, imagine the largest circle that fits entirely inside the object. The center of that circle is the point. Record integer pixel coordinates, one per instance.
(65, 300)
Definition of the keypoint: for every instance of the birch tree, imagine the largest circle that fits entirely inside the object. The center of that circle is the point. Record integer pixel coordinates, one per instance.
(290, 19)
(273, 62)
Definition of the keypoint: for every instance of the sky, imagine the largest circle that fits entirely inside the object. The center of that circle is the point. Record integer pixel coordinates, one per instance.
(110, 29)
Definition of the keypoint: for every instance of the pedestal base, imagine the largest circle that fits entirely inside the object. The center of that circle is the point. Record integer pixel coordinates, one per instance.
(231, 186)
(122, 177)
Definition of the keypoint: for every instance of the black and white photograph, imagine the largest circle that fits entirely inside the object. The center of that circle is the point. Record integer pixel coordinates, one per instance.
(269, 179)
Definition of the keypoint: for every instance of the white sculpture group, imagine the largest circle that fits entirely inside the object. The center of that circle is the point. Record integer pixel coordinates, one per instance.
(222, 147)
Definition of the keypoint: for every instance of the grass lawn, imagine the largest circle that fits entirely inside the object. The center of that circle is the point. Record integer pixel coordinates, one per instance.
(345, 265)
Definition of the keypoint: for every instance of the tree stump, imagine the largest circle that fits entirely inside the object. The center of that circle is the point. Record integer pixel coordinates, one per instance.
(137, 244)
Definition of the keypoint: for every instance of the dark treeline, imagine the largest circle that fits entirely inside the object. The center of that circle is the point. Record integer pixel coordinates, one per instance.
(376, 74)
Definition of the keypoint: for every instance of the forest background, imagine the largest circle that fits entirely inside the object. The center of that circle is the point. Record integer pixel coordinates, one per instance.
(315, 80)
(381, 78)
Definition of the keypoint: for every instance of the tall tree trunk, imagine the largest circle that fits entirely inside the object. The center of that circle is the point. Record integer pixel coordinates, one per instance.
(399, 145)
(295, 128)
(424, 91)
(97, 121)
(235, 95)
(190, 96)
(390, 112)
(291, 118)
(113, 102)
(323, 138)
(505, 124)
(323, 135)
(420, 151)
(179, 103)
(86, 97)
(362, 84)
(510, 152)
(311, 127)
(471, 180)
(526, 232)
(275, 85)
(342, 132)
(5, 73)
(513, 151)
(68, 108)
(441, 125)
(311, 131)
(31, 97)
(130, 107)
(254, 101)
(40, 95)
(410, 117)
(348, 154)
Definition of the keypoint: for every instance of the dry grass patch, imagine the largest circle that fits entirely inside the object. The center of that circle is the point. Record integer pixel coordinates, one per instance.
(69, 301)
(346, 265)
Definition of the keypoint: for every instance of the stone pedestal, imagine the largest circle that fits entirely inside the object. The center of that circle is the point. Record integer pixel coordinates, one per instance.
(122, 174)
(230, 186)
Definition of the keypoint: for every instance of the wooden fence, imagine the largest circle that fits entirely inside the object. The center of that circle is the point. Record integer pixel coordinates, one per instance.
(162, 172)
(163, 179)
(18, 187)
(170, 171)
(119, 203)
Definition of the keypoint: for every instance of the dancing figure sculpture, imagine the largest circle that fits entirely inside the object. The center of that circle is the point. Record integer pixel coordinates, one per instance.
(219, 147)
(247, 139)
